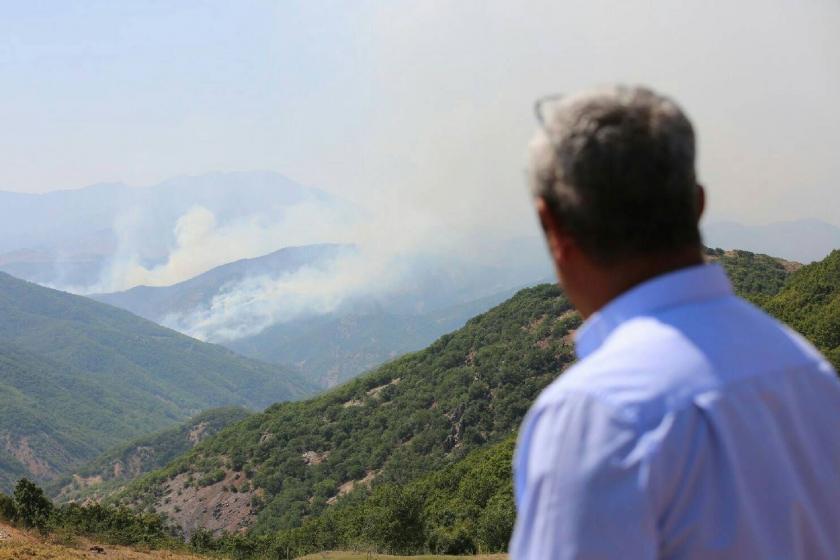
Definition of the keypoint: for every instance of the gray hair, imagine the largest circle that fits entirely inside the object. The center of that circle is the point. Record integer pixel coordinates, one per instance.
(616, 167)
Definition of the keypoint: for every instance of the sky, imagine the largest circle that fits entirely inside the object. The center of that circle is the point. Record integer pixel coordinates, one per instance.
(419, 104)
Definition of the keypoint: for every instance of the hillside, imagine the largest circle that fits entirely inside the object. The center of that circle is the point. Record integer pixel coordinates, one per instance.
(130, 460)
(464, 508)
(334, 348)
(17, 544)
(410, 417)
(754, 276)
(78, 377)
(327, 348)
(468, 506)
(810, 302)
(291, 472)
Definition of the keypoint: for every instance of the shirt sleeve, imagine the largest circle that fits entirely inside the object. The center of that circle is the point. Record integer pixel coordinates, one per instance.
(580, 486)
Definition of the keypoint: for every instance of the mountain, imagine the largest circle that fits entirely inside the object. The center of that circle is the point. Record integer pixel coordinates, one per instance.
(333, 348)
(78, 376)
(329, 347)
(409, 417)
(799, 240)
(197, 293)
(467, 507)
(419, 430)
(71, 237)
(130, 460)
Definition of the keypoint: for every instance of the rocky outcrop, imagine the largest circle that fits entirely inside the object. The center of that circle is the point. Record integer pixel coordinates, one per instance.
(224, 506)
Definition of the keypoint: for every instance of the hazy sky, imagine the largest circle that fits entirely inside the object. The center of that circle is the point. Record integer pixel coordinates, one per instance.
(424, 103)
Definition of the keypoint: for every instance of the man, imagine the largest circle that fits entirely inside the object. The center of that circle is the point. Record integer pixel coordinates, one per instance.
(694, 426)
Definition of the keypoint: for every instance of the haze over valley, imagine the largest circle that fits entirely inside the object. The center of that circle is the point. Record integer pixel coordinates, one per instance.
(271, 279)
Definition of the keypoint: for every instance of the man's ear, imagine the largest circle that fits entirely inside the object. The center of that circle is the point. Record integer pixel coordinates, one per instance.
(558, 241)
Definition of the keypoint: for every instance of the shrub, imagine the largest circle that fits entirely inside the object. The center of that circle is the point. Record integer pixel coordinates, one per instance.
(8, 511)
(32, 506)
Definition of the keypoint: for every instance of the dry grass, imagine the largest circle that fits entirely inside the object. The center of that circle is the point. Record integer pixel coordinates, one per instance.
(20, 545)
(23, 545)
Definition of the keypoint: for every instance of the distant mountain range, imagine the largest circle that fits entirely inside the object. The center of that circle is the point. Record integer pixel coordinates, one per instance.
(78, 376)
(804, 241)
(70, 237)
(86, 240)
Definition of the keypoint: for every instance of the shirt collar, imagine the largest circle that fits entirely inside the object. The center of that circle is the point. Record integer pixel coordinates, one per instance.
(704, 281)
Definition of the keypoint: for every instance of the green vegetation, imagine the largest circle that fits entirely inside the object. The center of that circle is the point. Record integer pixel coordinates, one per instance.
(810, 303)
(332, 349)
(78, 377)
(30, 508)
(755, 277)
(415, 457)
(409, 418)
(466, 508)
(125, 462)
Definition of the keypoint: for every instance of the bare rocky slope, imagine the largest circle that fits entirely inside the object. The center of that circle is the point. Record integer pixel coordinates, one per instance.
(126, 462)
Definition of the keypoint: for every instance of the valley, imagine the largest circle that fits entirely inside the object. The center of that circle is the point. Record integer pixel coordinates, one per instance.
(412, 456)
(296, 280)
(79, 377)
(416, 454)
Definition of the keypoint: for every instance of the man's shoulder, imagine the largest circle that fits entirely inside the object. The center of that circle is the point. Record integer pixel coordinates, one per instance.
(651, 365)
(643, 359)
(620, 391)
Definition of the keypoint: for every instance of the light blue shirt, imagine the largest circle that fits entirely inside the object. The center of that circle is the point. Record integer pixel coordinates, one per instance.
(694, 427)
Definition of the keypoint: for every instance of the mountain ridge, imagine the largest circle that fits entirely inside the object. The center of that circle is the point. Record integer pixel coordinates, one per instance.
(329, 348)
(804, 240)
(157, 302)
(77, 376)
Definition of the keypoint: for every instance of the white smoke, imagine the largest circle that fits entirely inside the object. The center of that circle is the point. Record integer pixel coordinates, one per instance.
(248, 307)
(396, 250)
(202, 243)
(379, 265)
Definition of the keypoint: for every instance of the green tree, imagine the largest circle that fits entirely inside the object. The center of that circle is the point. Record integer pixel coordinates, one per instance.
(8, 511)
(32, 506)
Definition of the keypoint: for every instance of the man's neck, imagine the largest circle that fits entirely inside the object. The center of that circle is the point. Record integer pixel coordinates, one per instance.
(606, 283)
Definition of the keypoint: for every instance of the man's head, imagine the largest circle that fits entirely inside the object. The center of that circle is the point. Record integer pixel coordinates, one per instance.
(613, 174)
